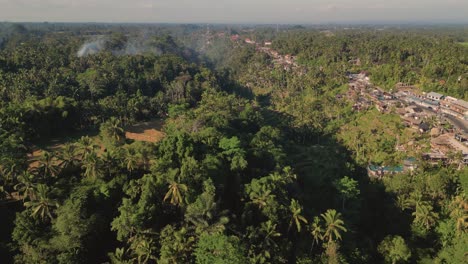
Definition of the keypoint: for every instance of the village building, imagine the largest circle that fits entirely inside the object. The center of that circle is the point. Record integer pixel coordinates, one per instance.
(460, 107)
(411, 122)
(435, 96)
(267, 43)
(447, 101)
(435, 157)
(249, 41)
(447, 143)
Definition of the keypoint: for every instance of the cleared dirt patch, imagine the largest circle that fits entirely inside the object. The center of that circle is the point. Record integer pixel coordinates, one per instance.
(56, 145)
(150, 131)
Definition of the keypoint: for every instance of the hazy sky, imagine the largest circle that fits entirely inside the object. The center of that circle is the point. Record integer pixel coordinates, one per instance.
(235, 11)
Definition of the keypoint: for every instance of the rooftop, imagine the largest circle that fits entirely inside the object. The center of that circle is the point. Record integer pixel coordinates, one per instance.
(436, 95)
(461, 103)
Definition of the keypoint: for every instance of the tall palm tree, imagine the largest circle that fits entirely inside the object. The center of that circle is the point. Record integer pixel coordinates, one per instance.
(334, 225)
(269, 232)
(425, 216)
(84, 146)
(316, 231)
(26, 186)
(47, 165)
(110, 161)
(416, 199)
(7, 172)
(68, 156)
(296, 218)
(174, 194)
(91, 165)
(42, 205)
(262, 197)
(113, 130)
(131, 159)
(144, 251)
(459, 212)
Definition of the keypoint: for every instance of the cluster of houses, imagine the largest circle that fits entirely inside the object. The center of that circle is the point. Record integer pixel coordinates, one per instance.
(359, 84)
(418, 111)
(436, 101)
(444, 148)
(287, 62)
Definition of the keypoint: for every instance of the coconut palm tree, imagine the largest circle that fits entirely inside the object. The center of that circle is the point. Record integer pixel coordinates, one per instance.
(131, 159)
(47, 165)
(174, 194)
(262, 197)
(316, 231)
(112, 129)
(110, 161)
(425, 216)
(42, 204)
(8, 172)
(26, 186)
(334, 225)
(91, 165)
(144, 251)
(269, 232)
(68, 156)
(296, 218)
(84, 146)
(459, 212)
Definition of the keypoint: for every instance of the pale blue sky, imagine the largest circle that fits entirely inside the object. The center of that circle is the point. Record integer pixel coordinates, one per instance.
(235, 11)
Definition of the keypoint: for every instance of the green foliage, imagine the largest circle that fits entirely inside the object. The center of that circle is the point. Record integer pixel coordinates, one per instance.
(112, 132)
(219, 248)
(347, 188)
(394, 250)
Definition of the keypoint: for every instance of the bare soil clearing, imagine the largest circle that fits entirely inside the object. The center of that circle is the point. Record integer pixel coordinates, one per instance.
(150, 131)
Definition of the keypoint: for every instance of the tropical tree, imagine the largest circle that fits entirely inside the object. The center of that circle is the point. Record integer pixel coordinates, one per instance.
(459, 212)
(91, 166)
(111, 161)
(316, 231)
(425, 216)
(348, 189)
(394, 250)
(112, 132)
(204, 214)
(261, 197)
(42, 204)
(85, 146)
(26, 186)
(334, 225)
(68, 156)
(144, 251)
(174, 193)
(131, 159)
(268, 229)
(47, 165)
(296, 218)
(218, 249)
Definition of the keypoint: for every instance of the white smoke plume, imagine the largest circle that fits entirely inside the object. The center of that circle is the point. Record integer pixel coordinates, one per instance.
(133, 46)
(92, 47)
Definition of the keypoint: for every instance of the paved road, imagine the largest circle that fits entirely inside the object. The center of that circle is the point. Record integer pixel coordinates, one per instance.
(460, 124)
